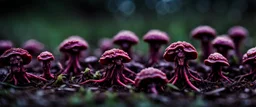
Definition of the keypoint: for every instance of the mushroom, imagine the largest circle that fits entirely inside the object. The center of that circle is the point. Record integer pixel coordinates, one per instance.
(205, 34)
(180, 52)
(155, 38)
(15, 59)
(250, 58)
(113, 60)
(126, 39)
(223, 44)
(238, 34)
(5, 45)
(151, 80)
(72, 48)
(105, 44)
(33, 46)
(217, 61)
(46, 58)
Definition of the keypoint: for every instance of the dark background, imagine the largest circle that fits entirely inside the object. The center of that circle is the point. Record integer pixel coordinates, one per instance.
(52, 21)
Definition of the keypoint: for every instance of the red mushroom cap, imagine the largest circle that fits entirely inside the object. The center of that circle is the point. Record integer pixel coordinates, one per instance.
(109, 55)
(158, 36)
(223, 41)
(73, 42)
(45, 56)
(126, 36)
(249, 56)
(170, 51)
(150, 75)
(216, 58)
(5, 57)
(201, 31)
(33, 46)
(238, 32)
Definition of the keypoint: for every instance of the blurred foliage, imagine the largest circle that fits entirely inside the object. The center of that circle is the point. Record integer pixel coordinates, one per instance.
(52, 21)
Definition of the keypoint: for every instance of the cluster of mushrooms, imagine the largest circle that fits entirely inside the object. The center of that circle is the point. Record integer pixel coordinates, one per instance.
(117, 67)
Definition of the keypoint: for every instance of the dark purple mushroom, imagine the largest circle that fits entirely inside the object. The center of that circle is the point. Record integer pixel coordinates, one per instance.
(72, 48)
(113, 60)
(126, 39)
(250, 59)
(223, 44)
(5, 45)
(180, 52)
(238, 34)
(205, 34)
(15, 59)
(217, 61)
(46, 58)
(33, 46)
(151, 80)
(155, 38)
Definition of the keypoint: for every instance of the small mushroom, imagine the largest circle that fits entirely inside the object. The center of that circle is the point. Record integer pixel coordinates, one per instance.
(250, 58)
(105, 44)
(15, 59)
(5, 45)
(155, 38)
(151, 80)
(223, 44)
(46, 58)
(180, 52)
(72, 47)
(33, 46)
(217, 61)
(238, 34)
(126, 39)
(113, 60)
(205, 34)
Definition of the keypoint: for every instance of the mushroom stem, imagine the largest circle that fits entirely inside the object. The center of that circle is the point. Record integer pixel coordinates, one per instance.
(237, 49)
(251, 74)
(206, 48)
(114, 75)
(73, 65)
(127, 48)
(154, 53)
(185, 71)
(153, 89)
(216, 74)
(181, 71)
(46, 68)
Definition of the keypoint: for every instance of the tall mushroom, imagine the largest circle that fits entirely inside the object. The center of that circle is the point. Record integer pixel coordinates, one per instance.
(113, 60)
(238, 34)
(250, 59)
(180, 52)
(223, 44)
(72, 47)
(5, 45)
(15, 59)
(205, 34)
(46, 58)
(126, 39)
(151, 80)
(155, 38)
(217, 61)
